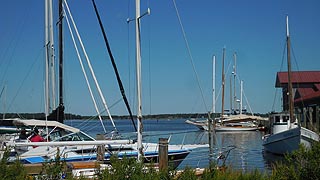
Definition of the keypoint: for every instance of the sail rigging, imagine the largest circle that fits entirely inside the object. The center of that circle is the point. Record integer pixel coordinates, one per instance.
(114, 66)
(92, 72)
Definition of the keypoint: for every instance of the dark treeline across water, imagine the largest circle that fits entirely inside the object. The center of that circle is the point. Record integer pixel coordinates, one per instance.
(152, 116)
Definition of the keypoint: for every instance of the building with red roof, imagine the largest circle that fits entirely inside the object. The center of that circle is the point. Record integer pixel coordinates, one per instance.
(306, 87)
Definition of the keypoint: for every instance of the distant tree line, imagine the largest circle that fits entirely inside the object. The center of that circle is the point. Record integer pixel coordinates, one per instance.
(152, 116)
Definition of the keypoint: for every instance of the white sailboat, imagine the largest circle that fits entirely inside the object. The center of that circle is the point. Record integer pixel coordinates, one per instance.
(76, 145)
(286, 133)
(237, 122)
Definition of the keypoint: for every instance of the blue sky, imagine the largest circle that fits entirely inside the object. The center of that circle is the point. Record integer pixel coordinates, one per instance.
(255, 30)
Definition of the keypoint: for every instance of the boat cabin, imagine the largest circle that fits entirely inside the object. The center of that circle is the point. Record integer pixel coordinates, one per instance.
(55, 131)
(279, 122)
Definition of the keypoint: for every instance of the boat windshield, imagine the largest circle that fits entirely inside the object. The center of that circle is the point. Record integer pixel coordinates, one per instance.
(79, 136)
(65, 135)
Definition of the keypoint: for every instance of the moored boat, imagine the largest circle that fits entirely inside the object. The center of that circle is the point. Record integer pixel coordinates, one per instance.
(285, 132)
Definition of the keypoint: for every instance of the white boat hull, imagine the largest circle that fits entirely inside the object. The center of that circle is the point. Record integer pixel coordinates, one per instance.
(289, 140)
(283, 142)
(236, 126)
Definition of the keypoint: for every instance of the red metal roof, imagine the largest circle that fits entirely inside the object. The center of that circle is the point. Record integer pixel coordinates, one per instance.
(311, 96)
(307, 84)
(305, 91)
(298, 77)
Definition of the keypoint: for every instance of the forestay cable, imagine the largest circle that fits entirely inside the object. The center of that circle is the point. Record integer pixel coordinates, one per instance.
(190, 55)
(114, 66)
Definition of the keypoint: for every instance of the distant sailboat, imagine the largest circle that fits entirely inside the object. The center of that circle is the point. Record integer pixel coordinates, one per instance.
(286, 133)
(238, 122)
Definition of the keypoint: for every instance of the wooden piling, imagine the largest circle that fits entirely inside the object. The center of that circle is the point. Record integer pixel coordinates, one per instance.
(311, 119)
(317, 119)
(100, 148)
(163, 154)
(304, 118)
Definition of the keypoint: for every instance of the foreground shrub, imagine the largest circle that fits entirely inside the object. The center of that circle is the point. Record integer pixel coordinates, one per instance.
(54, 169)
(130, 168)
(301, 164)
(14, 170)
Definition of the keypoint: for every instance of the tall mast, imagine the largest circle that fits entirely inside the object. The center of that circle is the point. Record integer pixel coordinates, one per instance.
(58, 113)
(234, 81)
(223, 79)
(60, 54)
(290, 91)
(49, 60)
(51, 55)
(231, 99)
(138, 73)
(213, 84)
(241, 90)
(46, 23)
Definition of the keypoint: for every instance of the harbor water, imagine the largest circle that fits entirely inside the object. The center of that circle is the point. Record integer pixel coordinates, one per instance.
(246, 150)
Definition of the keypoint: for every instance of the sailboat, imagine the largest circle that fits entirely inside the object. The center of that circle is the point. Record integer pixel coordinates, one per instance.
(286, 133)
(76, 145)
(236, 122)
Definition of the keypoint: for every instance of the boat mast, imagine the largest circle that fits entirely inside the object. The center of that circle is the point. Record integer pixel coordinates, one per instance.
(290, 91)
(46, 4)
(231, 99)
(234, 82)
(51, 54)
(213, 84)
(241, 90)
(138, 74)
(223, 79)
(49, 60)
(60, 55)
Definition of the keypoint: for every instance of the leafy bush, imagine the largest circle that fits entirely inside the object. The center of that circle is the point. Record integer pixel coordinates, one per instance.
(13, 170)
(54, 169)
(301, 164)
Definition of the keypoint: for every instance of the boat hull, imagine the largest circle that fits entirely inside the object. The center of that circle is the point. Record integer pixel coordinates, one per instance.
(77, 153)
(283, 142)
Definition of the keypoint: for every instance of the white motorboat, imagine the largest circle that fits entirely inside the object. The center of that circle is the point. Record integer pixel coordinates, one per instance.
(286, 137)
(75, 145)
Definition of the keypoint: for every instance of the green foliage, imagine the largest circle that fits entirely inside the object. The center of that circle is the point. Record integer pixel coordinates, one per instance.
(129, 168)
(54, 169)
(13, 170)
(187, 174)
(301, 164)
(219, 174)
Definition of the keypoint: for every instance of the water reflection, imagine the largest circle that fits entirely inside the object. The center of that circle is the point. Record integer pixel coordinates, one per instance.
(248, 154)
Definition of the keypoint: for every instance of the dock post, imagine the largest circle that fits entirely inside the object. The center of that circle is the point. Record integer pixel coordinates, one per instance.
(311, 118)
(163, 154)
(210, 129)
(317, 119)
(100, 148)
(304, 117)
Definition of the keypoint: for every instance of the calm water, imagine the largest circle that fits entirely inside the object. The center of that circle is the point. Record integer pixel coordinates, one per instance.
(247, 155)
